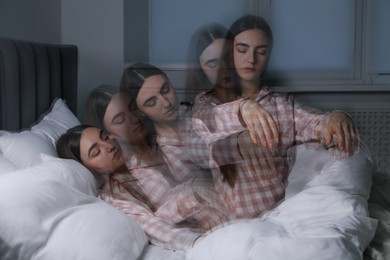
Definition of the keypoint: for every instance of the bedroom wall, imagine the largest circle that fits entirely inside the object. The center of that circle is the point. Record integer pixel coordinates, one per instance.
(37, 20)
(96, 27)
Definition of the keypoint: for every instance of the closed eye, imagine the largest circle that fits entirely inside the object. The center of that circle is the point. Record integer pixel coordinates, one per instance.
(95, 152)
(212, 63)
(165, 87)
(262, 51)
(118, 119)
(241, 47)
(150, 102)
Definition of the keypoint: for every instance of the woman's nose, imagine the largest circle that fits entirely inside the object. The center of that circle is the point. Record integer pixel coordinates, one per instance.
(252, 58)
(109, 145)
(166, 102)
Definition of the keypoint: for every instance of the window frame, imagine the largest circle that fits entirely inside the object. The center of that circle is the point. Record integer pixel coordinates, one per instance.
(358, 79)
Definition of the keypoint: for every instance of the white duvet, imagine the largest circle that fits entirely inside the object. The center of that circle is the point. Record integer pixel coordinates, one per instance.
(324, 216)
(49, 211)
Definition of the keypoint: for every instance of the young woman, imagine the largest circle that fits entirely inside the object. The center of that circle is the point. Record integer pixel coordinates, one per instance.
(183, 149)
(252, 42)
(113, 111)
(155, 97)
(252, 46)
(174, 215)
(208, 57)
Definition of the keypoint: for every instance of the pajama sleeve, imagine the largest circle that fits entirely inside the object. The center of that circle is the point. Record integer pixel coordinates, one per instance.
(219, 118)
(160, 232)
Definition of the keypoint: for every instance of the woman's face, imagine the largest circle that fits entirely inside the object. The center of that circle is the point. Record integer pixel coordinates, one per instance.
(157, 99)
(251, 51)
(99, 152)
(213, 63)
(123, 122)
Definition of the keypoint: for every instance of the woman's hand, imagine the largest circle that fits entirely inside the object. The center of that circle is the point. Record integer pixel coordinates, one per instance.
(259, 123)
(257, 158)
(342, 130)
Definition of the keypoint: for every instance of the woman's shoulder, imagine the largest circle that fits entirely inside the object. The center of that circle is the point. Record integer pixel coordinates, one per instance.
(206, 97)
(273, 93)
(205, 94)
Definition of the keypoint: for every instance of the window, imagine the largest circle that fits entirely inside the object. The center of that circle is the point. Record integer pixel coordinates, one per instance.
(378, 41)
(317, 42)
(313, 36)
(329, 42)
(170, 25)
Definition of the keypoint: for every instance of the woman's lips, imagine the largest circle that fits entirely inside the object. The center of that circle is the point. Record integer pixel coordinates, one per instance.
(249, 69)
(171, 111)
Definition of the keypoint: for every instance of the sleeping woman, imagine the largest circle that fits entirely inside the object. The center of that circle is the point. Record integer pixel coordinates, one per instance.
(145, 170)
(173, 214)
(173, 209)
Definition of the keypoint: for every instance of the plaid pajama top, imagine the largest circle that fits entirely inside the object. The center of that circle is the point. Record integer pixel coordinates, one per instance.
(258, 189)
(173, 214)
(189, 155)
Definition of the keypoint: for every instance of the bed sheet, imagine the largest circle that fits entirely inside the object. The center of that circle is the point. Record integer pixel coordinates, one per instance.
(324, 216)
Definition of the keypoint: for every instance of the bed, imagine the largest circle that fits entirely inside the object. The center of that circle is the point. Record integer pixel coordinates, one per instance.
(49, 208)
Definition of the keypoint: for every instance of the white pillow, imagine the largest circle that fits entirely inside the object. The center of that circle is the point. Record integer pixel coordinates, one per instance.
(24, 148)
(69, 172)
(6, 165)
(49, 211)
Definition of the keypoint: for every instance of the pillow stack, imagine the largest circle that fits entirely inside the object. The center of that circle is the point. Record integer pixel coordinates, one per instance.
(49, 205)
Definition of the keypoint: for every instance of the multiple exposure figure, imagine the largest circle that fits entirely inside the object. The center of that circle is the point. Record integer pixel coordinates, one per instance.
(182, 171)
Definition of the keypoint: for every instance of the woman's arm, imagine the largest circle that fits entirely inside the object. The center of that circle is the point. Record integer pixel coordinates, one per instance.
(217, 117)
(327, 128)
(160, 231)
(235, 116)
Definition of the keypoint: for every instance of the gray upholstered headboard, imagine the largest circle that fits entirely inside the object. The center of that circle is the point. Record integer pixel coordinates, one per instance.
(32, 75)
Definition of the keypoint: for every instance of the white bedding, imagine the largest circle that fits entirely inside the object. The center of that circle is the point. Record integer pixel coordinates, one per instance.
(49, 209)
(324, 216)
(48, 206)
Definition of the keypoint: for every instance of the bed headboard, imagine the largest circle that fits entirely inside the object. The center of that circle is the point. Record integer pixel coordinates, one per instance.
(32, 75)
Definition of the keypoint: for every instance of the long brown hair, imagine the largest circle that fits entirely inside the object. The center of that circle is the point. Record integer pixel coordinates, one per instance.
(132, 79)
(196, 79)
(68, 145)
(97, 102)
